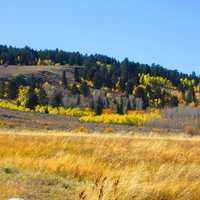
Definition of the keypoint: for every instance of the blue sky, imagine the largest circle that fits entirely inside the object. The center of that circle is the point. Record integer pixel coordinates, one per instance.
(166, 32)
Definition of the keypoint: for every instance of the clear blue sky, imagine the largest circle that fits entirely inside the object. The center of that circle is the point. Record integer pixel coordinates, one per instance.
(149, 31)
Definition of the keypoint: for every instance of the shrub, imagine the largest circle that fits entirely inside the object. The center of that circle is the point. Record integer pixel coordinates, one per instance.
(47, 109)
(134, 118)
(41, 109)
(13, 106)
(192, 131)
(108, 111)
(81, 129)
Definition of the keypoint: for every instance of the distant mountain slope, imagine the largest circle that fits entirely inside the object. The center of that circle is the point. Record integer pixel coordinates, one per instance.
(126, 69)
(92, 81)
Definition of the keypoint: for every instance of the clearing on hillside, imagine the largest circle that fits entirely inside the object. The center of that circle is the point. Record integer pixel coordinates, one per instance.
(50, 73)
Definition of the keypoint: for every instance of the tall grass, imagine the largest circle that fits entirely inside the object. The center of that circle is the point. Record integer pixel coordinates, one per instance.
(177, 118)
(109, 167)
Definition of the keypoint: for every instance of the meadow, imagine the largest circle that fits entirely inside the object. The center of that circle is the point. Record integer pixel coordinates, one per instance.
(78, 166)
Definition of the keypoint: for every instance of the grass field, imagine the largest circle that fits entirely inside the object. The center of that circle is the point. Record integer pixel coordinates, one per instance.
(60, 165)
(47, 73)
(25, 70)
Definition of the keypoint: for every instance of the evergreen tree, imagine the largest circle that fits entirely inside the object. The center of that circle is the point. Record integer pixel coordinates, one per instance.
(84, 89)
(120, 109)
(98, 106)
(56, 99)
(76, 75)
(11, 88)
(64, 79)
(32, 99)
(174, 101)
(190, 96)
(74, 89)
(97, 80)
(2, 89)
(42, 97)
(129, 87)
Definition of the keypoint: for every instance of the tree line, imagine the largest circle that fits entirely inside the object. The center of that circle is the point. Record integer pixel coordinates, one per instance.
(103, 70)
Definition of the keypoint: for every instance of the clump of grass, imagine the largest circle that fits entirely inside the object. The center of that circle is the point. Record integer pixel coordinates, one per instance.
(2, 124)
(81, 129)
(108, 130)
(8, 170)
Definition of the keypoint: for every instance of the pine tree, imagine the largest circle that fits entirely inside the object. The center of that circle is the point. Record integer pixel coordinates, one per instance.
(129, 87)
(32, 99)
(56, 99)
(98, 107)
(42, 97)
(2, 89)
(97, 80)
(64, 79)
(76, 75)
(174, 101)
(11, 89)
(84, 89)
(190, 96)
(120, 109)
(74, 89)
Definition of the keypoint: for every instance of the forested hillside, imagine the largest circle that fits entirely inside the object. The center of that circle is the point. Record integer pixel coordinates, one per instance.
(108, 68)
(100, 82)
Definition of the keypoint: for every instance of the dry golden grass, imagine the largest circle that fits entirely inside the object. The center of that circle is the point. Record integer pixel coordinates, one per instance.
(104, 167)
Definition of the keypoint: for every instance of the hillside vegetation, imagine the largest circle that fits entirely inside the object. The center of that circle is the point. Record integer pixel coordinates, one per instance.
(60, 165)
(98, 82)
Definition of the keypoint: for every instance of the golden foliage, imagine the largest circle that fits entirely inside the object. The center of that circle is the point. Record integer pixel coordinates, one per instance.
(132, 118)
(47, 109)
(146, 79)
(137, 118)
(108, 167)
(13, 106)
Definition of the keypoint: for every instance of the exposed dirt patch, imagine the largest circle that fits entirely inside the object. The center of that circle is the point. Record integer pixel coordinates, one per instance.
(26, 120)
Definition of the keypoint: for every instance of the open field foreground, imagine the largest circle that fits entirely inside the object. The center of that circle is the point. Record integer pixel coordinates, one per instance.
(59, 165)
